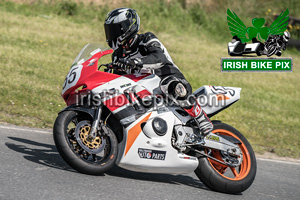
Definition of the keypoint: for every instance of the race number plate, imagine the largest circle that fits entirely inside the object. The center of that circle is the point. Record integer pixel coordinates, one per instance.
(72, 78)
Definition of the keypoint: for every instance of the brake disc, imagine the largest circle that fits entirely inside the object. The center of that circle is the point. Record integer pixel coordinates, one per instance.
(91, 145)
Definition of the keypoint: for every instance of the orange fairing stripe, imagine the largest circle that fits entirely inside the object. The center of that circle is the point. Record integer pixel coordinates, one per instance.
(221, 97)
(134, 132)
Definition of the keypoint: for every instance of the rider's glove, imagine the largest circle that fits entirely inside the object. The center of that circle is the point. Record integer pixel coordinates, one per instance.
(127, 63)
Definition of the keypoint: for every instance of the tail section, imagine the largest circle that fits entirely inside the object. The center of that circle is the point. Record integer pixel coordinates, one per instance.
(214, 99)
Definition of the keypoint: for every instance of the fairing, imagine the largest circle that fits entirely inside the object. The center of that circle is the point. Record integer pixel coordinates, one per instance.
(214, 99)
(84, 73)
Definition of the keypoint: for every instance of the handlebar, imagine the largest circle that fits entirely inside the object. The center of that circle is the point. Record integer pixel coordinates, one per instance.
(109, 66)
(112, 66)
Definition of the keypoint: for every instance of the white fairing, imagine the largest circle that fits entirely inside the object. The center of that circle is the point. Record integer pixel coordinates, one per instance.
(142, 149)
(150, 82)
(72, 77)
(116, 84)
(214, 98)
(143, 154)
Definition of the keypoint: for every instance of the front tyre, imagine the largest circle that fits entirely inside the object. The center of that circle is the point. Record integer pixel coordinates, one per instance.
(71, 137)
(226, 179)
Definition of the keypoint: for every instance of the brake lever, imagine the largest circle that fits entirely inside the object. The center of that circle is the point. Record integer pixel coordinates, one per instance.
(104, 65)
(108, 65)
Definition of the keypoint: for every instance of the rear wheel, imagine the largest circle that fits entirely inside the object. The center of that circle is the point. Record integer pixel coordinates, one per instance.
(82, 153)
(226, 179)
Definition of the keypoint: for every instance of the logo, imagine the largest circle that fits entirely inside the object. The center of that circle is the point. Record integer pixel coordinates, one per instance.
(212, 137)
(125, 85)
(260, 40)
(152, 154)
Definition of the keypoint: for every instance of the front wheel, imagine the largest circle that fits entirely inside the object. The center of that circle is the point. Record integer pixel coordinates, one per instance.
(82, 153)
(226, 179)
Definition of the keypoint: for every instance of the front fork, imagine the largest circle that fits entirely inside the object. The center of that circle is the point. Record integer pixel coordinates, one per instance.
(96, 121)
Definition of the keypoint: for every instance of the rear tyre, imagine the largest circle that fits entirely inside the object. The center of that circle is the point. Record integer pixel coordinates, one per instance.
(105, 145)
(225, 179)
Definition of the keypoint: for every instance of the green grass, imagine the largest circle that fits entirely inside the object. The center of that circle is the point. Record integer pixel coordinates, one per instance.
(38, 43)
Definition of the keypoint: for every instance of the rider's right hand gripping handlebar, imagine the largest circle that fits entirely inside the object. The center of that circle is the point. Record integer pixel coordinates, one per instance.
(112, 68)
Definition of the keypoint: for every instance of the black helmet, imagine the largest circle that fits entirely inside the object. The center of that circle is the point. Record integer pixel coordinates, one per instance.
(120, 26)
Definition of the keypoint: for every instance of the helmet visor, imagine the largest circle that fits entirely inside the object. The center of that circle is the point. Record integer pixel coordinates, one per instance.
(112, 31)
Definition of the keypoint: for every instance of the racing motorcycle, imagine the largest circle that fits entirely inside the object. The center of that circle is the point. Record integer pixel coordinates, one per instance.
(121, 119)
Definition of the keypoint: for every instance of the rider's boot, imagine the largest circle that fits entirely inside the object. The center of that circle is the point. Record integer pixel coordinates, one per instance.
(205, 125)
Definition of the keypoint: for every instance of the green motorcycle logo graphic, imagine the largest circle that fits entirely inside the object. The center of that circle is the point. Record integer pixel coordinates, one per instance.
(239, 29)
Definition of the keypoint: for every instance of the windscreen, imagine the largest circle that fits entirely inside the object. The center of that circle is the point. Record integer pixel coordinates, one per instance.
(88, 51)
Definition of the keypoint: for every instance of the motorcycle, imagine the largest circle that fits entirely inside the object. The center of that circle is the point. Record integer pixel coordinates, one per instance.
(124, 120)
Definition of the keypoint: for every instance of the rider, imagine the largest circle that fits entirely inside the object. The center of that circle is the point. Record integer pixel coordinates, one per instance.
(146, 52)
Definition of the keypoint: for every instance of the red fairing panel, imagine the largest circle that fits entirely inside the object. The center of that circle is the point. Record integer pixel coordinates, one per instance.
(90, 77)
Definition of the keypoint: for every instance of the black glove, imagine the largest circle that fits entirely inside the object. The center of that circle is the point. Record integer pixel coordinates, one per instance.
(127, 63)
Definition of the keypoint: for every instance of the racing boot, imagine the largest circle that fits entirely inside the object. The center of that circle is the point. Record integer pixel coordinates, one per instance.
(204, 123)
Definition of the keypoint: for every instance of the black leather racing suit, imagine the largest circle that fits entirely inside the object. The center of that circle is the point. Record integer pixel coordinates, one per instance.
(151, 54)
(149, 51)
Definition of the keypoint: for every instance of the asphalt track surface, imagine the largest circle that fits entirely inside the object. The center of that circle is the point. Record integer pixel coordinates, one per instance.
(32, 169)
